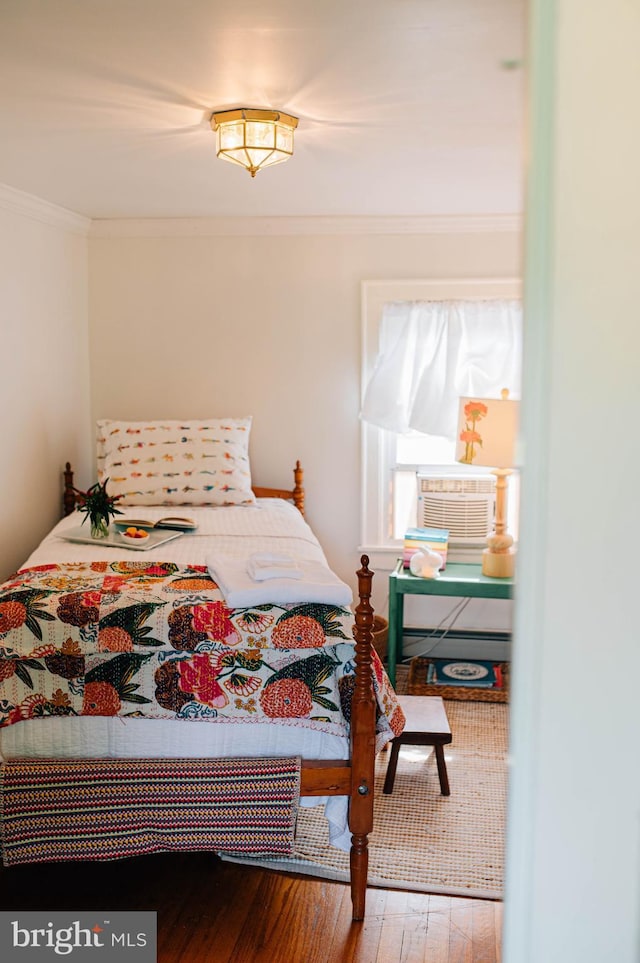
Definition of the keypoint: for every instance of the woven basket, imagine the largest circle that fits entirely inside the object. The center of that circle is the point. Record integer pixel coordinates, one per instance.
(417, 685)
(380, 633)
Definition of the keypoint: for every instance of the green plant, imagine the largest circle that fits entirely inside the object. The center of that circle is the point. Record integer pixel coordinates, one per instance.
(97, 505)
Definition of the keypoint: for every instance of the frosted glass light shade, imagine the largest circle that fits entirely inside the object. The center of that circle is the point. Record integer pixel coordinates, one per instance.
(487, 430)
(254, 138)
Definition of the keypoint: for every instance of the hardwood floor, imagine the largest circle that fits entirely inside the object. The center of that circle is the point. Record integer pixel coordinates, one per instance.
(211, 910)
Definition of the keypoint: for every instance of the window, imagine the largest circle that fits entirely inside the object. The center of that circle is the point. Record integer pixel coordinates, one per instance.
(424, 344)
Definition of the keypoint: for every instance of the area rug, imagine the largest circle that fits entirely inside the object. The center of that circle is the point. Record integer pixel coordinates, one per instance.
(426, 677)
(423, 841)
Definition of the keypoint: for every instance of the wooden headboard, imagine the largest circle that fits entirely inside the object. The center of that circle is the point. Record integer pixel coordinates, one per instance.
(296, 494)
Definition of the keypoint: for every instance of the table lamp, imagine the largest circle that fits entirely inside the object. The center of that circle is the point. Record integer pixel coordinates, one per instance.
(486, 435)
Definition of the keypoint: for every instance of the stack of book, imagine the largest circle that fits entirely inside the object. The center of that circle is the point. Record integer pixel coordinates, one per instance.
(437, 539)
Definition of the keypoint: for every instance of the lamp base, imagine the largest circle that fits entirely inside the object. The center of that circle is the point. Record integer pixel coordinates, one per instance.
(498, 564)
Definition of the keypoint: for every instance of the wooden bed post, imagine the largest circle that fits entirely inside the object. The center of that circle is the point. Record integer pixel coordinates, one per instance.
(363, 739)
(69, 495)
(296, 495)
(298, 490)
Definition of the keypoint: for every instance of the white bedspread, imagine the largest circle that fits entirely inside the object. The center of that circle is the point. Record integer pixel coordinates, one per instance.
(273, 525)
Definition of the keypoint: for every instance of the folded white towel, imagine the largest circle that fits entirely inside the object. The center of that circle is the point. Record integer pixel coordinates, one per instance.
(317, 584)
(268, 565)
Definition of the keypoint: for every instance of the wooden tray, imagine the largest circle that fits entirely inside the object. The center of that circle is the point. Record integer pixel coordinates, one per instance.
(417, 685)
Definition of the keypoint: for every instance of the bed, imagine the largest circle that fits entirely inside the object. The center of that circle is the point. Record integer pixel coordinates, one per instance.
(92, 666)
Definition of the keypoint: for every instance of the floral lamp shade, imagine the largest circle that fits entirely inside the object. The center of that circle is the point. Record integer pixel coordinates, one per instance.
(487, 430)
(486, 436)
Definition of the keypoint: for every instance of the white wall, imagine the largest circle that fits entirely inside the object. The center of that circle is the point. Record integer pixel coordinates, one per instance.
(203, 326)
(44, 384)
(573, 881)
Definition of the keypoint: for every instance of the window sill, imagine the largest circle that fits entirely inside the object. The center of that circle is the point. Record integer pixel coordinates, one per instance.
(384, 557)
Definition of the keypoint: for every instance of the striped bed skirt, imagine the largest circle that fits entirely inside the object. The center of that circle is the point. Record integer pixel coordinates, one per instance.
(63, 809)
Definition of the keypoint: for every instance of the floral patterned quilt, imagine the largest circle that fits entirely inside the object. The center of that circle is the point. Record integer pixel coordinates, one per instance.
(156, 640)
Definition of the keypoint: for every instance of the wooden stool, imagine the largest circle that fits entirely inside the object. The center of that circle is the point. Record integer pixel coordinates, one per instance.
(427, 725)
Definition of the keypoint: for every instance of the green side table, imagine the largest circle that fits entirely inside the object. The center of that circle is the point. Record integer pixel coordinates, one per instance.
(458, 580)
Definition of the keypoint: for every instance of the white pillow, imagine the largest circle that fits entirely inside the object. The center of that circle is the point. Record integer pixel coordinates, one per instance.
(176, 462)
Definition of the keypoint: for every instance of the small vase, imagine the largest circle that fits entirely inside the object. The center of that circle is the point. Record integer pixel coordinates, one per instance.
(99, 527)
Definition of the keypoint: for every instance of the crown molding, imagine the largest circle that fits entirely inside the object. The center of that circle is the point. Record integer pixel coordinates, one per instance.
(292, 226)
(34, 207)
(18, 202)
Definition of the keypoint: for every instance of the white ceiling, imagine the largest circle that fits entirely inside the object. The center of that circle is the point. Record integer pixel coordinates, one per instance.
(406, 107)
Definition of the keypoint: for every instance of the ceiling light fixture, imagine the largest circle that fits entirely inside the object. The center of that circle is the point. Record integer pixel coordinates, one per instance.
(254, 138)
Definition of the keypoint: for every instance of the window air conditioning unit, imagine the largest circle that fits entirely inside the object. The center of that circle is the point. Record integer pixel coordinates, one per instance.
(463, 505)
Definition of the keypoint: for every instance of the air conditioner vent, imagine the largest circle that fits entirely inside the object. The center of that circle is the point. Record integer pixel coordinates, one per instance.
(464, 506)
(481, 484)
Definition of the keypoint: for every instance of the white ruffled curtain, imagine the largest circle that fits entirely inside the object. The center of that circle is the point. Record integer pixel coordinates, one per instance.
(433, 352)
